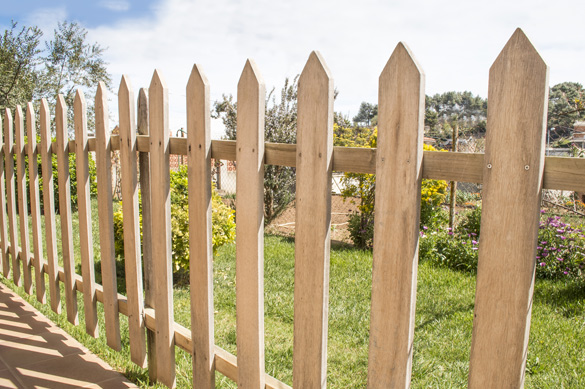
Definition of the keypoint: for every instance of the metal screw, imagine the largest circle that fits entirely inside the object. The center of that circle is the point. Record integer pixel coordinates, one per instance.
(526, 167)
(489, 165)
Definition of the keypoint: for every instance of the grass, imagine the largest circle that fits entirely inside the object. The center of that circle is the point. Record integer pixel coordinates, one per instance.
(444, 318)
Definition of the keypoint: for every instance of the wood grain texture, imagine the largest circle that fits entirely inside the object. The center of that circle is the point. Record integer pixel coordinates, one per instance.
(84, 214)
(3, 215)
(313, 223)
(65, 209)
(200, 228)
(250, 227)
(35, 204)
(161, 228)
(396, 222)
(144, 173)
(11, 193)
(132, 249)
(561, 173)
(49, 207)
(20, 153)
(513, 177)
(106, 218)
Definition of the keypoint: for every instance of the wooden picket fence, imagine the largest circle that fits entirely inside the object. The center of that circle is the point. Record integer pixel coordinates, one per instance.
(513, 172)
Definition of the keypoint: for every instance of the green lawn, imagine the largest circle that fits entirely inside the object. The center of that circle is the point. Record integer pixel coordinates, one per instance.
(444, 318)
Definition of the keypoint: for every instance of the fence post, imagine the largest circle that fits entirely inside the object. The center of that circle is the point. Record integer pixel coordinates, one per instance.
(35, 204)
(11, 193)
(84, 213)
(313, 221)
(49, 207)
(512, 182)
(250, 228)
(396, 224)
(65, 209)
(106, 218)
(161, 228)
(3, 214)
(22, 200)
(200, 234)
(144, 169)
(132, 253)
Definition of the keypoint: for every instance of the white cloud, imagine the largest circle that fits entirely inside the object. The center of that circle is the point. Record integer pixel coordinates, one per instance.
(46, 19)
(115, 5)
(455, 42)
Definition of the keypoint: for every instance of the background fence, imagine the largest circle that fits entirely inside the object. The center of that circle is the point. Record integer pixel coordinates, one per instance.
(512, 172)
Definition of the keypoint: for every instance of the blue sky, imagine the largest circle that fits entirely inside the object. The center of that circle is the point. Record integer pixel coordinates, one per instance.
(455, 41)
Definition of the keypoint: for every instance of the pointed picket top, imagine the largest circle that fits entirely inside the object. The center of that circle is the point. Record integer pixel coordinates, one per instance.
(197, 80)
(31, 128)
(157, 83)
(79, 102)
(19, 122)
(142, 113)
(401, 63)
(8, 125)
(102, 115)
(45, 119)
(517, 53)
(316, 67)
(126, 101)
(61, 120)
(125, 87)
(251, 73)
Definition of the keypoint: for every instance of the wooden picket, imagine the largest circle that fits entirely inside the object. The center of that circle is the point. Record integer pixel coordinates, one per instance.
(513, 172)
(105, 216)
(65, 209)
(161, 228)
(132, 252)
(49, 207)
(3, 214)
(200, 234)
(250, 228)
(144, 172)
(20, 153)
(513, 175)
(84, 214)
(35, 204)
(11, 193)
(396, 224)
(313, 223)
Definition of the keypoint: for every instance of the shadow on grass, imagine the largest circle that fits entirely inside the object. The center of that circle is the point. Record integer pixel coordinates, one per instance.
(565, 297)
(442, 315)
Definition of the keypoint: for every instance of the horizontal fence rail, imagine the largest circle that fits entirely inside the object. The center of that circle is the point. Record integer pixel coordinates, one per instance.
(560, 173)
(514, 158)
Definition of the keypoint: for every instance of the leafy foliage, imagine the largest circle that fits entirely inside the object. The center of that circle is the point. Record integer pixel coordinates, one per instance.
(366, 113)
(565, 107)
(280, 127)
(19, 58)
(360, 189)
(222, 217)
(68, 62)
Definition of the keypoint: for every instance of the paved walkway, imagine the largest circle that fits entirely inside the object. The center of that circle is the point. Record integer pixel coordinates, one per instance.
(35, 353)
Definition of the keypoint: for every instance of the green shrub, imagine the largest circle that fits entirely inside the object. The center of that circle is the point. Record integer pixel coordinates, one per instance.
(446, 248)
(223, 225)
(471, 221)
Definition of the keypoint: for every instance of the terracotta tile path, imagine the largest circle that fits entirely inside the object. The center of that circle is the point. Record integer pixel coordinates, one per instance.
(35, 353)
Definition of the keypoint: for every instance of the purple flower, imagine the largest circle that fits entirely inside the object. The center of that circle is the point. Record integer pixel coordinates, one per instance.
(538, 257)
(474, 248)
(542, 263)
(543, 242)
(560, 259)
(450, 233)
(565, 272)
(474, 242)
(425, 228)
(473, 234)
(539, 248)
